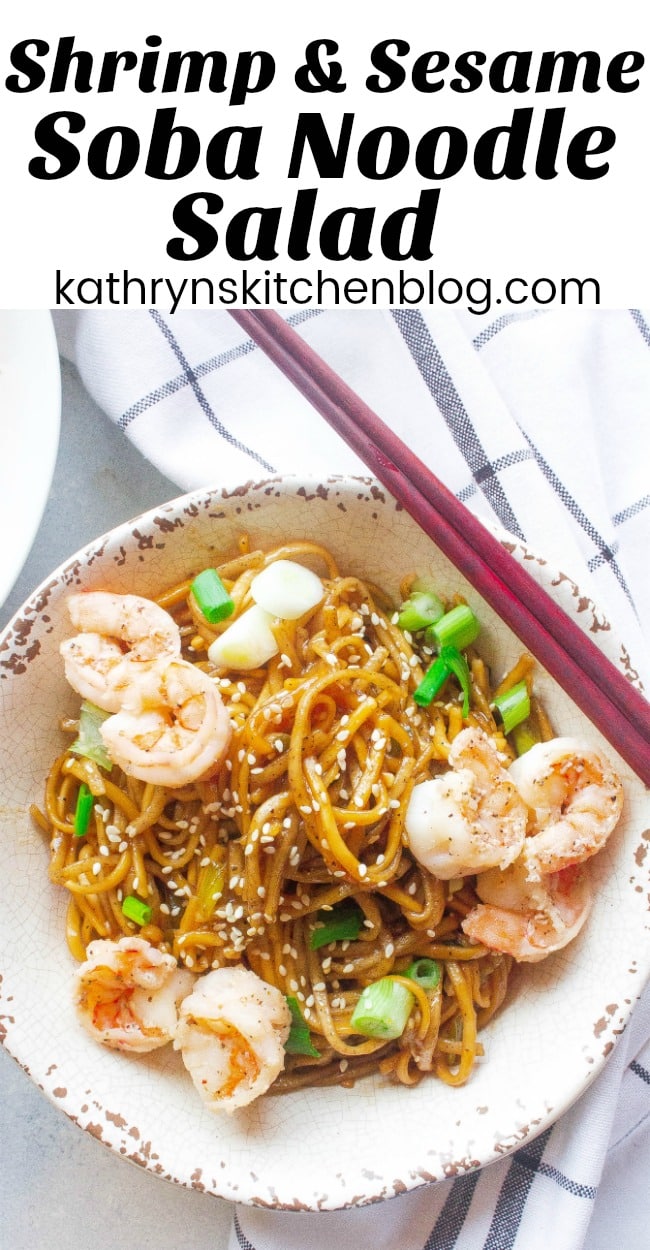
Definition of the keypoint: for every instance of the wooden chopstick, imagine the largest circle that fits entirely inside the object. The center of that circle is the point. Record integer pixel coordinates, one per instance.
(605, 695)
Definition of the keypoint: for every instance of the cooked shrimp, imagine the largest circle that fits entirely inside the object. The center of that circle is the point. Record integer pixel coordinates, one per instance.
(127, 994)
(529, 919)
(117, 635)
(173, 727)
(469, 819)
(231, 1035)
(575, 800)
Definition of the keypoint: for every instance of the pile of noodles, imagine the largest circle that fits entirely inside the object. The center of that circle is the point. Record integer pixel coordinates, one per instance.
(306, 811)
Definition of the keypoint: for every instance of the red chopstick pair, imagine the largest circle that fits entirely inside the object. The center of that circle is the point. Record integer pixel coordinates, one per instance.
(612, 703)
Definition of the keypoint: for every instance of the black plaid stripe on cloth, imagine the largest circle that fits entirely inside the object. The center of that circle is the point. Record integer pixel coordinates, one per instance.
(539, 423)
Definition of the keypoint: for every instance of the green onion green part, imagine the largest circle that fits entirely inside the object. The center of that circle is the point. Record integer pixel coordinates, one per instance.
(448, 662)
(432, 682)
(457, 664)
(383, 1009)
(512, 706)
(89, 742)
(299, 1040)
(422, 608)
(457, 628)
(85, 801)
(343, 923)
(212, 598)
(136, 909)
(425, 972)
(523, 738)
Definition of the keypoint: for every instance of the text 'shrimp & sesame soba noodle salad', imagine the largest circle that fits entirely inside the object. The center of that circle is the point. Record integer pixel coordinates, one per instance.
(305, 834)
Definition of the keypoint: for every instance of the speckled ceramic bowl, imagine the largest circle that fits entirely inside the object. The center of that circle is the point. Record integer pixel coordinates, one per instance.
(326, 1148)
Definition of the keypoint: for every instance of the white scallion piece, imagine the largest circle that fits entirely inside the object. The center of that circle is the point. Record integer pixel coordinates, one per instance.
(248, 643)
(287, 589)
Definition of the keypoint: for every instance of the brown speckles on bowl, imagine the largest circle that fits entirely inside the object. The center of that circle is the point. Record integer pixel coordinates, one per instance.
(641, 851)
(374, 1140)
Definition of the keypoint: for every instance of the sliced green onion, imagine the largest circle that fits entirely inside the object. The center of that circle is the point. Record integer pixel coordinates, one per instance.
(85, 801)
(523, 738)
(89, 742)
(299, 1040)
(457, 628)
(449, 661)
(212, 598)
(457, 664)
(422, 608)
(136, 909)
(383, 1009)
(432, 682)
(248, 642)
(425, 972)
(512, 706)
(343, 923)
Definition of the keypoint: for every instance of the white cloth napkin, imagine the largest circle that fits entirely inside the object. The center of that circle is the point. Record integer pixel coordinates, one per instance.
(538, 422)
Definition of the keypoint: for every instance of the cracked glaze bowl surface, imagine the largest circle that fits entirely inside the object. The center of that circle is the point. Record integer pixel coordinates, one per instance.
(320, 1148)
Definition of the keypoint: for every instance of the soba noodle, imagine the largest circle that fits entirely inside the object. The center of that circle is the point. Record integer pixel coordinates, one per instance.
(305, 814)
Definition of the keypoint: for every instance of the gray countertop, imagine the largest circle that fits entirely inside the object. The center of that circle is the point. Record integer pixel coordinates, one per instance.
(58, 1186)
